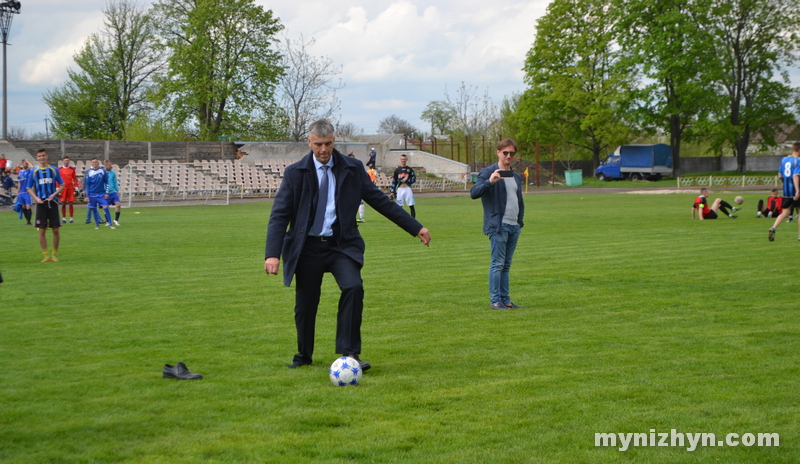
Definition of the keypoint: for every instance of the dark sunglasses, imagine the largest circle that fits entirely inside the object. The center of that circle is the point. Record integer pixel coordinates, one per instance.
(509, 153)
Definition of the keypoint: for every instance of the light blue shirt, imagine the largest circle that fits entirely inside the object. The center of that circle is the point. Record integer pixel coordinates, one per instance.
(330, 208)
(113, 184)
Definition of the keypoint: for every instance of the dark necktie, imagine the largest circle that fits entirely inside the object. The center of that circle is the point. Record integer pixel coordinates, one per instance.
(322, 202)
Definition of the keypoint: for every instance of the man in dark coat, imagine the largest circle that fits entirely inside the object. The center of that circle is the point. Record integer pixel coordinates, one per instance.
(317, 202)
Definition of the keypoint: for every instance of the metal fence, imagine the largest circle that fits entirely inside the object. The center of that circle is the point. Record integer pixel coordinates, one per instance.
(729, 181)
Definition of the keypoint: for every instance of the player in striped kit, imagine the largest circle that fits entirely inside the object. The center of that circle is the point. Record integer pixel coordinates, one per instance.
(789, 170)
(44, 185)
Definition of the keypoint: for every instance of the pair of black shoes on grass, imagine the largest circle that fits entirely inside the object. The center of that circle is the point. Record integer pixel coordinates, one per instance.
(179, 372)
(365, 366)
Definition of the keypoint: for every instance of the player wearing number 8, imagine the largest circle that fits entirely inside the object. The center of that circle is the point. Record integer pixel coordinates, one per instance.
(789, 171)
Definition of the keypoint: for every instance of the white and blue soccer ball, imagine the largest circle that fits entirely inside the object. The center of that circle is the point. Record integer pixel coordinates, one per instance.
(345, 371)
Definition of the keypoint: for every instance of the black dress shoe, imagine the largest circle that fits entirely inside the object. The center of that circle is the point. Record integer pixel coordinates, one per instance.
(365, 366)
(179, 372)
(297, 364)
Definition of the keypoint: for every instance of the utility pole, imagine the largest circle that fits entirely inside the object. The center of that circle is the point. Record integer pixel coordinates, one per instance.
(7, 10)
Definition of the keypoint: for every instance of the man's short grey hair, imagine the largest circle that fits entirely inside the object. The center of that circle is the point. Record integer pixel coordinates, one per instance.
(321, 128)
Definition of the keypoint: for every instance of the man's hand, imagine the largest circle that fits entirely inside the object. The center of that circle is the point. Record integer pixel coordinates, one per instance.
(424, 236)
(271, 265)
(495, 177)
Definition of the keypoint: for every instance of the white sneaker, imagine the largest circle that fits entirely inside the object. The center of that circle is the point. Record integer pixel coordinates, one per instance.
(71, 221)
(116, 223)
(112, 227)
(107, 224)
(63, 220)
(758, 214)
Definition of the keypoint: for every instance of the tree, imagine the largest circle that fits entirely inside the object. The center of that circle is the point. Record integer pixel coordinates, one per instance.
(473, 116)
(750, 40)
(508, 124)
(396, 125)
(579, 90)
(440, 114)
(348, 130)
(222, 65)
(305, 87)
(664, 40)
(116, 70)
(149, 127)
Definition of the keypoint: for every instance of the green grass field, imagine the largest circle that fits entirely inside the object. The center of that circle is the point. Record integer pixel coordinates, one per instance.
(637, 318)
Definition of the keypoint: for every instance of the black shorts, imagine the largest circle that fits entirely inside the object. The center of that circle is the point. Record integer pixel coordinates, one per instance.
(47, 215)
(788, 202)
(711, 215)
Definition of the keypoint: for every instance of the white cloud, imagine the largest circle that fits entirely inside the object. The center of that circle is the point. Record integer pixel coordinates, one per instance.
(49, 65)
(396, 55)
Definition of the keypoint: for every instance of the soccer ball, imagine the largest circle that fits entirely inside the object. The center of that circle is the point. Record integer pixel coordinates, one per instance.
(345, 371)
(739, 200)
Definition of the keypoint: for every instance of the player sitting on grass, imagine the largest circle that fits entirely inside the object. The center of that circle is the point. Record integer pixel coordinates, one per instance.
(773, 208)
(704, 211)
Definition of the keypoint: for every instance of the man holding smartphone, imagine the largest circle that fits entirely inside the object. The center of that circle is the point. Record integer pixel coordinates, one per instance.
(500, 191)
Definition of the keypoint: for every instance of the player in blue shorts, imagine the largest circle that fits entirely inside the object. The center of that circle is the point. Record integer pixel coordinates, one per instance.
(44, 185)
(24, 197)
(95, 182)
(789, 171)
(112, 191)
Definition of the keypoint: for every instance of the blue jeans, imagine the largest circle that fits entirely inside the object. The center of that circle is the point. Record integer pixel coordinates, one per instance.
(503, 245)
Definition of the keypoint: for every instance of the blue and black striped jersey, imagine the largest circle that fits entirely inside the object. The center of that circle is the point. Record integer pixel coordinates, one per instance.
(43, 181)
(790, 166)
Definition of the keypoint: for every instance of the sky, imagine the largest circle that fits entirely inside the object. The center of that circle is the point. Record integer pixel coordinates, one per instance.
(396, 56)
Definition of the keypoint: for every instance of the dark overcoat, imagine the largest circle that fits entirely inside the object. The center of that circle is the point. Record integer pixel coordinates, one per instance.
(296, 203)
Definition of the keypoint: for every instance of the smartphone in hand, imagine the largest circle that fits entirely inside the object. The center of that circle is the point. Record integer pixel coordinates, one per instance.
(506, 173)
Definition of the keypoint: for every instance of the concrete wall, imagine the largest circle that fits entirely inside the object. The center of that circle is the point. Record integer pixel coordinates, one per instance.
(440, 167)
(293, 151)
(121, 152)
(728, 163)
(694, 165)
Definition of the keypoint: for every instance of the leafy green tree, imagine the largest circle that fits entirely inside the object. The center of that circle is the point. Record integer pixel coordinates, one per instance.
(662, 38)
(149, 127)
(579, 89)
(440, 114)
(749, 41)
(223, 67)
(116, 69)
